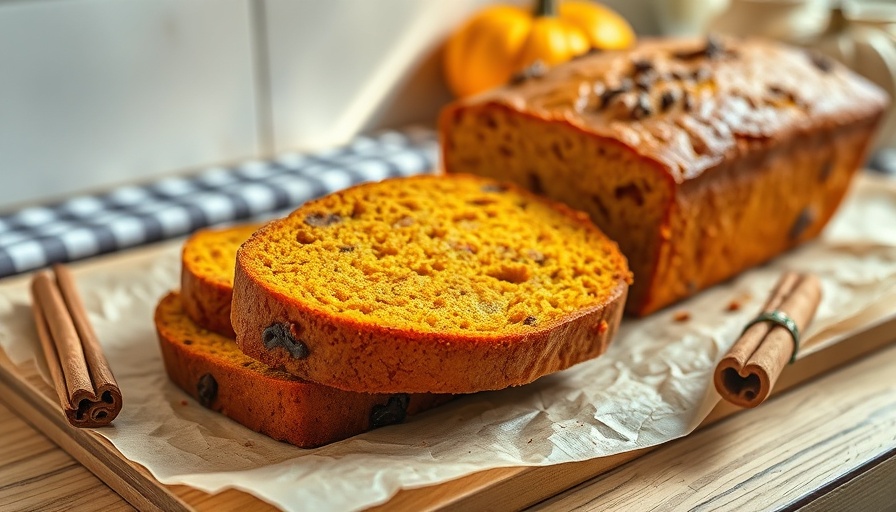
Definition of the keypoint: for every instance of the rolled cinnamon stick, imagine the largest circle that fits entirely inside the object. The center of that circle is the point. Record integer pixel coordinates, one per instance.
(87, 390)
(748, 372)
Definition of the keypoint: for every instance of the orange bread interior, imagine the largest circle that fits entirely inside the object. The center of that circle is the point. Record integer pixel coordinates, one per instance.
(208, 258)
(213, 370)
(428, 284)
(438, 255)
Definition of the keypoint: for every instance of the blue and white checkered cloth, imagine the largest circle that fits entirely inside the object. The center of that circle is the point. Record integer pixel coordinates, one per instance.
(129, 216)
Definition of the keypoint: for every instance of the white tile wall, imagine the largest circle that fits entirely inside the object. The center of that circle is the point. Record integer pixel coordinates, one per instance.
(94, 93)
(98, 92)
(343, 66)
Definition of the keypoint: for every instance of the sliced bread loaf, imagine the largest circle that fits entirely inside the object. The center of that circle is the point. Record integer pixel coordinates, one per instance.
(428, 284)
(702, 158)
(211, 369)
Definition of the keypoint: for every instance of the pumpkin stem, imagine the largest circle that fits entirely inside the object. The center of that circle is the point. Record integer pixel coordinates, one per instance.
(546, 8)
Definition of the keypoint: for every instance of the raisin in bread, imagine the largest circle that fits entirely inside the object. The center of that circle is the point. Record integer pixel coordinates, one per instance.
(428, 284)
(701, 158)
(211, 369)
(206, 279)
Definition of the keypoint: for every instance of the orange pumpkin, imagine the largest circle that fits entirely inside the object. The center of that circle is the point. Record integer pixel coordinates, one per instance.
(502, 40)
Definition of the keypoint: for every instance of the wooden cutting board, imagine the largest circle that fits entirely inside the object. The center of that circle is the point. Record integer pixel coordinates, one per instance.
(506, 488)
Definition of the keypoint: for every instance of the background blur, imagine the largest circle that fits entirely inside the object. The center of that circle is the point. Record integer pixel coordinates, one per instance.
(95, 93)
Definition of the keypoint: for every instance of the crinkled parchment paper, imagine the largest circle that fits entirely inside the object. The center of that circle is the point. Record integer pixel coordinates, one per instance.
(653, 385)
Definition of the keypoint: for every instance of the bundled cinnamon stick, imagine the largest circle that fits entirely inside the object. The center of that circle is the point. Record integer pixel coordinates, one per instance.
(748, 372)
(87, 390)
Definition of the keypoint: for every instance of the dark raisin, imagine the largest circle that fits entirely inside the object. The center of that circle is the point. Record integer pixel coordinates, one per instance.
(535, 183)
(624, 86)
(518, 78)
(826, 170)
(642, 108)
(555, 148)
(609, 94)
(713, 49)
(536, 70)
(630, 191)
(668, 99)
(394, 411)
(821, 62)
(207, 388)
(530, 320)
(322, 220)
(601, 207)
(346, 248)
(781, 92)
(642, 65)
(279, 335)
(802, 222)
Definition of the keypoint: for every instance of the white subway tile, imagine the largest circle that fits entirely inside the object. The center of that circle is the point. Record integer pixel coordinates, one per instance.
(100, 92)
(342, 67)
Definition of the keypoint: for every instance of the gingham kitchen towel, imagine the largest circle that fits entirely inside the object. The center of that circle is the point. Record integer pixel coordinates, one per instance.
(129, 216)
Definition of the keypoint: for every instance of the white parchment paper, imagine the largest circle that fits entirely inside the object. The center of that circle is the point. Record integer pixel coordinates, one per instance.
(654, 384)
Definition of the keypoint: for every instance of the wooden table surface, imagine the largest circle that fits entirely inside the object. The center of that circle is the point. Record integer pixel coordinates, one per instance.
(827, 445)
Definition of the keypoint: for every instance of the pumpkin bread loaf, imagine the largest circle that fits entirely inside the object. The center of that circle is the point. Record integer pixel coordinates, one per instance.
(206, 279)
(701, 158)
(211, 369)
(428, 284)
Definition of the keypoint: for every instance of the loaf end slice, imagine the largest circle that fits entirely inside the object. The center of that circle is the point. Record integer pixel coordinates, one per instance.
(206, 282)
(210, 368)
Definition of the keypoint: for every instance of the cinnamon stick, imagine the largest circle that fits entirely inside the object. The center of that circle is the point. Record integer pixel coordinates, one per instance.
(748, 372)
(85, 386)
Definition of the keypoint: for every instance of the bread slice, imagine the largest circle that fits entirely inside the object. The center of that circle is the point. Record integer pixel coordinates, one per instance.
(211, 369)
(428, 284)
(206, 279)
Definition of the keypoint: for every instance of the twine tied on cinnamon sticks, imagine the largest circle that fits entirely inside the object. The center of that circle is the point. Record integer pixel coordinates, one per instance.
(87, 390)
(748, 372)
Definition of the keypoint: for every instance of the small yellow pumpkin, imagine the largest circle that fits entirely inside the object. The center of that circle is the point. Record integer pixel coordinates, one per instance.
(502, 40)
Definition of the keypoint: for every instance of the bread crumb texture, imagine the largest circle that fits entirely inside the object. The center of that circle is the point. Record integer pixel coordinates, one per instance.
(173, 324)
(211, 253)
(206, 283)
(437, 254)
(212, 369)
